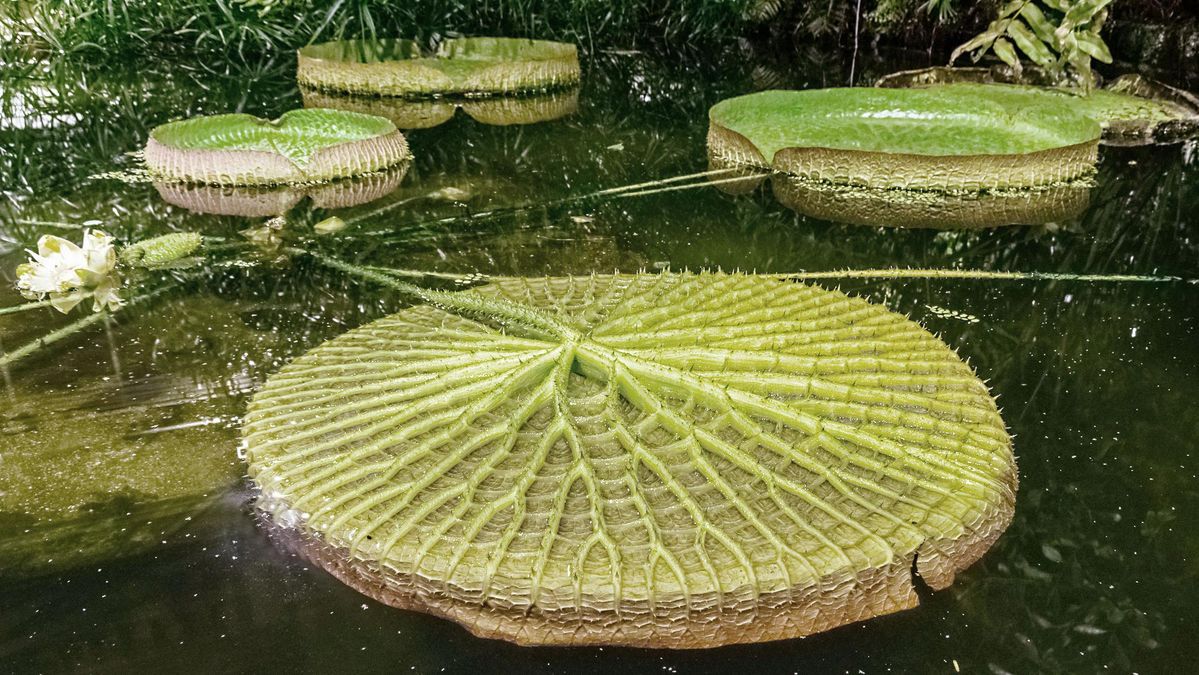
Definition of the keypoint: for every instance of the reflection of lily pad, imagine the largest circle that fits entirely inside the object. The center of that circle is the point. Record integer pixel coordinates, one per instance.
(677, 460)
(950, 137)
(1132, 109)
(462, 66)
(931, 209)
(277, 200)
(302, 146)
(425, 113)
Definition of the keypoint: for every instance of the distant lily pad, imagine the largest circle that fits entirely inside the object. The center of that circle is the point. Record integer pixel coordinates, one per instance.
(430, 112)
(1132, 109)
(303, 146)
(672, 460)
(460, 66)
(950, 137)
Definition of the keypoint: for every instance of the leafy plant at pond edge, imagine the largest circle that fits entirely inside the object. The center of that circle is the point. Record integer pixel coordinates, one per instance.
(1060, 36)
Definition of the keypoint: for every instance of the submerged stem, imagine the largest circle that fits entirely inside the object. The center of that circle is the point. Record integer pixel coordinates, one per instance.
(883, 273)
(632, 190)
(906, 273)
(70, 329)
(36, 304)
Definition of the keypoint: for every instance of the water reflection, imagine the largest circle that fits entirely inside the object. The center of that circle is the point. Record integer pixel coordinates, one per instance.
(427, 113)
(935, 210)
(277, 200)
(1097, 381)
(912, 209)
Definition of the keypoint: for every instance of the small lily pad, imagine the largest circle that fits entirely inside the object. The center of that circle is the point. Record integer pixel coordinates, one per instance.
(1132, 109)
(302, 146)
(951, 137)
(460, 67)
(666, 460)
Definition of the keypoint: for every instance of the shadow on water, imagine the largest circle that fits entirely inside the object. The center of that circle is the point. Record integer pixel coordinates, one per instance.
(150, 558)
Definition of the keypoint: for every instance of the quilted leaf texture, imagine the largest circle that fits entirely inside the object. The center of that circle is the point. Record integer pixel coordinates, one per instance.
(674, 460)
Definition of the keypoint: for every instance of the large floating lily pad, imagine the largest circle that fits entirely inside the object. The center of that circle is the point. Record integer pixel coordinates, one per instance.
(950, 137)
(1132, 109)
(302, 146)
(462, 66)
(430, 112)
(677, 461)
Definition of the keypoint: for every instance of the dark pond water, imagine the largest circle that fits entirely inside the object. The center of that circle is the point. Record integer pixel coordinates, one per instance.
(127, 540)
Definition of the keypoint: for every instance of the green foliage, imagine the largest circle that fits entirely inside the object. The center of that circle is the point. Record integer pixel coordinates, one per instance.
(243, 28)
(1060, 36)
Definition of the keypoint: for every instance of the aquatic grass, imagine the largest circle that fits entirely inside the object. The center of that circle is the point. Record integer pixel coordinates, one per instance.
(79, 28)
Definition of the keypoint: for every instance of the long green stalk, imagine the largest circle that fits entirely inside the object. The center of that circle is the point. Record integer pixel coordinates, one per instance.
(511, 314)
(632, 190)
(882, 273)
(71, 329)
(975, 275)
(37, 304)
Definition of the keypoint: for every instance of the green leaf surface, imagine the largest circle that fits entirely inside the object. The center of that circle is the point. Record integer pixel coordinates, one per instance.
(943, 120)
(296, 135)
(681, 446)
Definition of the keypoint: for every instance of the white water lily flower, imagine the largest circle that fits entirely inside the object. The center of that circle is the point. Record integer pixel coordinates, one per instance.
(67, 272)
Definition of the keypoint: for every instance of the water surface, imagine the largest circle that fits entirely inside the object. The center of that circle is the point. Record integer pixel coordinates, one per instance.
(126, 528)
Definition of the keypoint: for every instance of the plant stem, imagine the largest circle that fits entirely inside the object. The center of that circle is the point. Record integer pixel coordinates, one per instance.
(884, 273)
(633, 190)
(540, 324)
(34, 305)
(70, 329)
(905, 273)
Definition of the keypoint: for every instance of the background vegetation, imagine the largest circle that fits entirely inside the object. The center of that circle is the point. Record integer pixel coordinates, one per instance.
(243, 30)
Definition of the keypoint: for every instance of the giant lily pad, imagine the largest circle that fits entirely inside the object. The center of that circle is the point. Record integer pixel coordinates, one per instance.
(948, 137)
(302, 146)
(430, 112)
(1132, 109)
(462, 66)
(670, 460)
